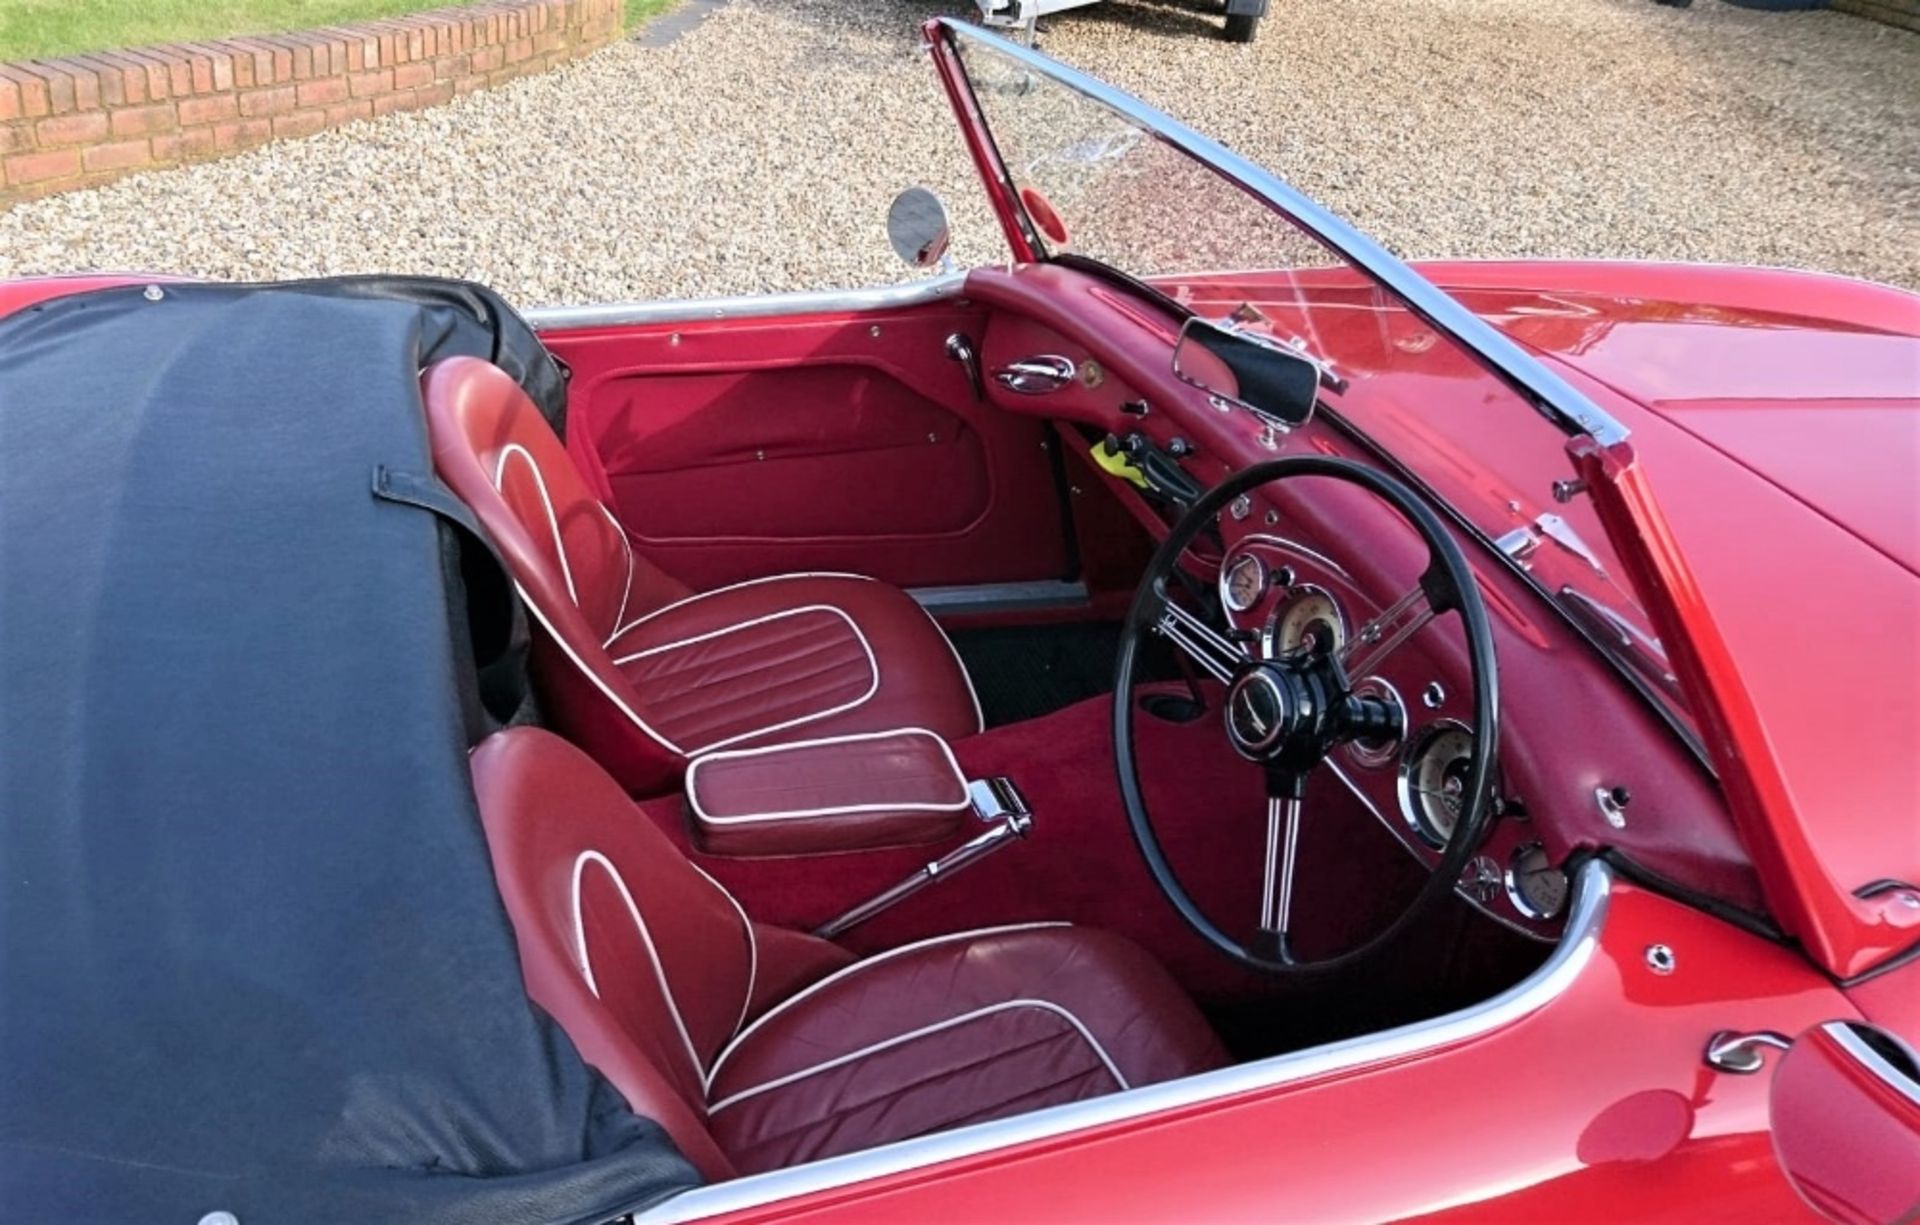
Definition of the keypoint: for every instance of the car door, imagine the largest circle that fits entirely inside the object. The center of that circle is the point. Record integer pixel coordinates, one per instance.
(822, 432)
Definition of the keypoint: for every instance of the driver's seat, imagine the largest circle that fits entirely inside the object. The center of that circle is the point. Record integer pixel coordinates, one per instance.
(758, 1047)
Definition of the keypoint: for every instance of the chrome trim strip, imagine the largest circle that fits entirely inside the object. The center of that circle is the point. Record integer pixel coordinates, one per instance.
(743, 306)
(1551, 395)
(999, 597)
(1568, 960)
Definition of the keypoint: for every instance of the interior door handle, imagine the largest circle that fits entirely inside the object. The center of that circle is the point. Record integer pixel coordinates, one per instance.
(1034, 376)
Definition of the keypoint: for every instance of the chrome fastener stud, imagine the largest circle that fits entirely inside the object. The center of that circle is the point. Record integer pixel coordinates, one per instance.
(1660, 959)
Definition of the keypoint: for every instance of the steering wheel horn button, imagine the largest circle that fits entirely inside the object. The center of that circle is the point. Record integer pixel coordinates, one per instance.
(1257, 713)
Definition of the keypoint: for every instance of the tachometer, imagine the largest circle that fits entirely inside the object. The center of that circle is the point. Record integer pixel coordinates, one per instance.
(1307, 617)
(1242, 582)
(1433, 781)
(1535, 886)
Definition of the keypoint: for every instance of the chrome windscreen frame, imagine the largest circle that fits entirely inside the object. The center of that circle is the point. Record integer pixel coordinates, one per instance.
(1549, 394)
(1585, 922)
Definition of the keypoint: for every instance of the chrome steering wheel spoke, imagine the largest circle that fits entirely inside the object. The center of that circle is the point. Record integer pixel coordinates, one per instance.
(1213, 652)
(1282, 857)
(1386, 633)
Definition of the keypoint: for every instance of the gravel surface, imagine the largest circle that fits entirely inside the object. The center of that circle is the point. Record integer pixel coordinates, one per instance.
(759, 152)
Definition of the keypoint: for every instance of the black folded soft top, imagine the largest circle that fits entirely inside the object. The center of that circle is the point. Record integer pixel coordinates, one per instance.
(251, 954)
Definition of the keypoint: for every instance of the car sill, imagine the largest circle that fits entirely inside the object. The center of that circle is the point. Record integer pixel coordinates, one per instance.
(693, 310)
(1593, 889)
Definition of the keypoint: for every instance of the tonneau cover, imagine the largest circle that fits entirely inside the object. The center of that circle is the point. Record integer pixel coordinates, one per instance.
(251, 954)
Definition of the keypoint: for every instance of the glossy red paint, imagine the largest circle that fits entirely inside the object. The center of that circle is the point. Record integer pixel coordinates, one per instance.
(18, 295)
(1549, 1114)
(1845, 933)
(1847, 1137)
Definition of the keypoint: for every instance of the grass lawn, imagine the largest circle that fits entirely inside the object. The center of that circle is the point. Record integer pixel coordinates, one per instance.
(34, 28)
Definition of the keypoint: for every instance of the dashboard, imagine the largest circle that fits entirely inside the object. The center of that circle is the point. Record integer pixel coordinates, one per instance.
(1584, 765)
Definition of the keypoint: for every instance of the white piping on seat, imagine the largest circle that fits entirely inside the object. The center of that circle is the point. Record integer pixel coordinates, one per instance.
(867, 964)
(873, 671)
(626, 592)
(778, 1082)
(753, 949)
(606, 691)
(646, 937)
(553, 521)
(702, 815)
(701, 595)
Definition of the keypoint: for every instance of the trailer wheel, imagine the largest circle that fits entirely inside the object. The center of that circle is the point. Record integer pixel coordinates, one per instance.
(1241, 27)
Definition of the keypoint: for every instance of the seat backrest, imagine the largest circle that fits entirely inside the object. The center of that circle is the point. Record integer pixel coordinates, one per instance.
(573, 563)
(644, 960)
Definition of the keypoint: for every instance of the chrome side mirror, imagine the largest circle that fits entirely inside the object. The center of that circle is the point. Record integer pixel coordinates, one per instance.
(1845, 1113)
(918, 227)
(1277, 383)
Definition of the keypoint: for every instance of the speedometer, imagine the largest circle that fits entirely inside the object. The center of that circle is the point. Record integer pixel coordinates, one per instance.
(1308, 617)
(1433, 781)
(1242, 582)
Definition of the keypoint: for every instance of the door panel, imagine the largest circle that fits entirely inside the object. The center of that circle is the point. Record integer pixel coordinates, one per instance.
(735, 449)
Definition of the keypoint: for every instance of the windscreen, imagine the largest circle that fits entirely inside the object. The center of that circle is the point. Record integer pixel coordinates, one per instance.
(1099, 177)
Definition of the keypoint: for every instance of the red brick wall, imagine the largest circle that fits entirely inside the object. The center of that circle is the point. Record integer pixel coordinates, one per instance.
(83, 119)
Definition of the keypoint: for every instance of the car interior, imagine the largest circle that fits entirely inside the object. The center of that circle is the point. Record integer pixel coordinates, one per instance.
(831, 834)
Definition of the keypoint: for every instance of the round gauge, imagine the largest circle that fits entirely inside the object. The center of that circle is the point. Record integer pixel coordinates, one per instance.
(1536, 887)
(1379, 750)
(1307, 618)
(1242, 583)
(1433, 781)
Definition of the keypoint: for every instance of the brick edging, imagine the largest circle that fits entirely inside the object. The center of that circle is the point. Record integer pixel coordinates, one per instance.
(79, 120)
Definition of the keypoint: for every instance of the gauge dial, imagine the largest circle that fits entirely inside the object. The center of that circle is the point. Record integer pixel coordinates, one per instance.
(1307, 618)
(1242, 583)
(1433, 781)
(1536, 887)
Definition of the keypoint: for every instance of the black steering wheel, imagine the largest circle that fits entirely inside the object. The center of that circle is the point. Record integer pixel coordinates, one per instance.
(1287, 713)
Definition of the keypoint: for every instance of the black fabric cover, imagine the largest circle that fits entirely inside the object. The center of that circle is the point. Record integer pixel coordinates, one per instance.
(251, 953)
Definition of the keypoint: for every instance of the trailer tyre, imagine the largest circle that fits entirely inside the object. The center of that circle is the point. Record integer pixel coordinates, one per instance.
(1241, 27)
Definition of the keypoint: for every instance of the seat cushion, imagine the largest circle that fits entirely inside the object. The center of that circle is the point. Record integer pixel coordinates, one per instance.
(957, 1030)
(794, 657)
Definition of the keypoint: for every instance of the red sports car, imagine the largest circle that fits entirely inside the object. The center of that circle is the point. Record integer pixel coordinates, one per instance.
(1201, 721)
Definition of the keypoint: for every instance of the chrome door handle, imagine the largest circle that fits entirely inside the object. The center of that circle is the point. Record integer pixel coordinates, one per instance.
(1034, 376)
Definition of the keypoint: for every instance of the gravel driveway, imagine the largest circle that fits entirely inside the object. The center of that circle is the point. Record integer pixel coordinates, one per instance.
(759, 152)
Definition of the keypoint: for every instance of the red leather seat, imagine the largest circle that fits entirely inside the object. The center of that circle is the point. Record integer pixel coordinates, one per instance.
(758, 1047)
(637, 668)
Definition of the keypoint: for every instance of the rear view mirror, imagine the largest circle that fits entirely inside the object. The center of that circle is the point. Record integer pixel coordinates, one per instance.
(1845, 1113)
(1258, 374)
(918, 228)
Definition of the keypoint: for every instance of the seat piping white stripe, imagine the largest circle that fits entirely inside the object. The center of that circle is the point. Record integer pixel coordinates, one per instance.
(702, 815)
(646, 937)
(753, 950)
(626, 593)
(553, 521)
(606, 691)
(873, 671)
(864, 1052)
(867, 964)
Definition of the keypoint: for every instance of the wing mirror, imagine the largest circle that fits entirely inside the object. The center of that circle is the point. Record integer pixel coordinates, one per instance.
(1845, 1113)
(918, 227)
(1265, 377)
